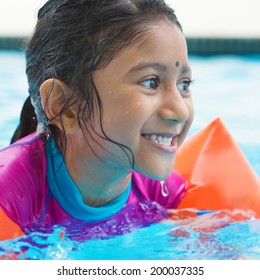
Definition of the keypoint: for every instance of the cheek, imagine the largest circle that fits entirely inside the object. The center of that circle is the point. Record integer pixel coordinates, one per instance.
(122, 124)
(123, 114)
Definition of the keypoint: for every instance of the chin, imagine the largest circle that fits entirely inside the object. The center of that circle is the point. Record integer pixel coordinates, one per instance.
(160, 173)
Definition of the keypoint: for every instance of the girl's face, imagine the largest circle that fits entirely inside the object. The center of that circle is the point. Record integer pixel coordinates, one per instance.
(147, 103)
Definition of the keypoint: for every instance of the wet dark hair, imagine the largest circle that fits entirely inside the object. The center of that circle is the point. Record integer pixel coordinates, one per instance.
(72, 39)
(28, 121)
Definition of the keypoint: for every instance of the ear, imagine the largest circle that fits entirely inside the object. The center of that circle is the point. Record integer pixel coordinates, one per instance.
(55, 96)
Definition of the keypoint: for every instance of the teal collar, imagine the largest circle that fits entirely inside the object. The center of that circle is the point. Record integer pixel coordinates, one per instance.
(68, 195)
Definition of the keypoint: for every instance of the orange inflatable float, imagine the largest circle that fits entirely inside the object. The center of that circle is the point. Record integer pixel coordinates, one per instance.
(219, 175)
(8, 228)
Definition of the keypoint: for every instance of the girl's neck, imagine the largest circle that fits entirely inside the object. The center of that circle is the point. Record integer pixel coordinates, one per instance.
(99, 182)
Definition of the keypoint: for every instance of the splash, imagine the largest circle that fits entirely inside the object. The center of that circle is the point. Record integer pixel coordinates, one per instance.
(145, 231)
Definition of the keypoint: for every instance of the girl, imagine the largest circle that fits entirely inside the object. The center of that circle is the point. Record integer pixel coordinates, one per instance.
(109, 82)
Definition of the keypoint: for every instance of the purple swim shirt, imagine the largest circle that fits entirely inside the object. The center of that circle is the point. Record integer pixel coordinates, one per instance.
(27, 197)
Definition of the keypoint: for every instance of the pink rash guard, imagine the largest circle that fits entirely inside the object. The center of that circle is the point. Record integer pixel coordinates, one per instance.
(27, 198)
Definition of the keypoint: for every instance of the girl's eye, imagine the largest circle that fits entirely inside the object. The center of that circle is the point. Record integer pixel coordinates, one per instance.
(151, 83)
(184, 86)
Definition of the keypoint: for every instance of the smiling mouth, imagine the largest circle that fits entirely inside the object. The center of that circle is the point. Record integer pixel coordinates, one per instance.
(166, 142)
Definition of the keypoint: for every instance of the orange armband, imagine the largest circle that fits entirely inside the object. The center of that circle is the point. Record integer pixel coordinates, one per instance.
(219, 175)
(8, 228)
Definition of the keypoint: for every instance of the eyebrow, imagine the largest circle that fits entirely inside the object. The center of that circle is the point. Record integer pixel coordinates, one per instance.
(157, 66)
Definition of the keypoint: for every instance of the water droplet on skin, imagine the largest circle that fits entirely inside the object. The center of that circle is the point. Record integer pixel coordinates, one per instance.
(164, 189)
(108, 192)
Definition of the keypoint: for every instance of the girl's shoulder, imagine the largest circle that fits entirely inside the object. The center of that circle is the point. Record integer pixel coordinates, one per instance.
(23, 178)
(21, 159)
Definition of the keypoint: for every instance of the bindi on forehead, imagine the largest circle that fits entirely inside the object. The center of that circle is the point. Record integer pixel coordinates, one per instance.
(177, 64)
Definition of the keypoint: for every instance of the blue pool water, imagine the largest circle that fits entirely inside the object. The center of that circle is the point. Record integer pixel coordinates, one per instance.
(226, 86)
(209, 236)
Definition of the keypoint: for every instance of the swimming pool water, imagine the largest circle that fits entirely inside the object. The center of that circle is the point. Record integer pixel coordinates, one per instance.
(227, 86)
(203, 236)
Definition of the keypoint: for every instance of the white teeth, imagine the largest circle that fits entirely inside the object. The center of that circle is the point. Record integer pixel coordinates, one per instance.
(166, 141)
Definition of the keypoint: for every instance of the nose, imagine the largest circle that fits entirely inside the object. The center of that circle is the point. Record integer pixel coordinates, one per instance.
(174, 107)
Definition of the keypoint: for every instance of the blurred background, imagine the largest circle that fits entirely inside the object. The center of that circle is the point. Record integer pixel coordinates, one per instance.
(222, 18)
(224, 49)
